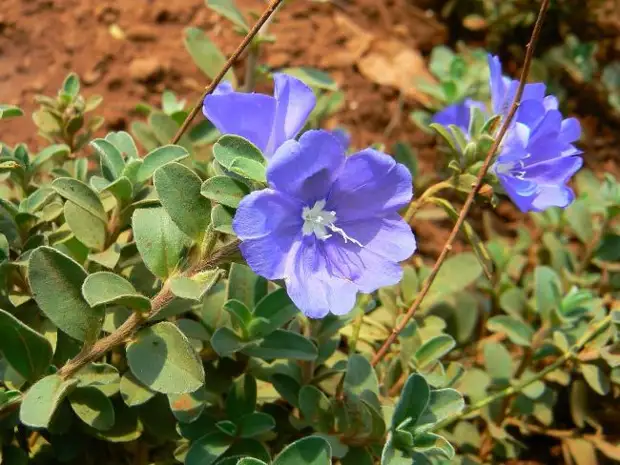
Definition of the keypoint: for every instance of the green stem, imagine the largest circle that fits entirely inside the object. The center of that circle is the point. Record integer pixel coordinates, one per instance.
(416, 204)
(572, 352)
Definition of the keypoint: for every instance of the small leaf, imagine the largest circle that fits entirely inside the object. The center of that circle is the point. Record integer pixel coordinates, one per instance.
(225, 342)
(159, 240)
(205, 54)
(162, 358)
(71, 85)
(197, 286)
(112, 161)
(284, 344)
(59, 151)
(255, 424)
(497, 361)
(413, 401)
(28, 353)
(42, 400)
(158, 158)
(207, 449)
(547, 290)
(189, 406)
(133, 392)
(179, 190)
(433, 349)
(241, 399)
(224, 190)
(105, 288)
(240, 156)
(56, 282)
(271, 313)
(443, 404)
(92, 407)
(517, 331)
(360, 376)
(458, 272)
(88, 229)
(221, 219)
(578, 217)
(124, 143)
(312, 450)
(316, 408)
(80, 194)
(10, 111)
(312, 77)
(228, 9)
(596, 378)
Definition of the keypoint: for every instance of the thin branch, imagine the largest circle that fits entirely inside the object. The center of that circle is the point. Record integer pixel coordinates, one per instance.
(470, 198)
(269, 11)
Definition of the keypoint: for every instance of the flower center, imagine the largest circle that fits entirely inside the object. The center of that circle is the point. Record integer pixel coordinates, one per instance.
(319, 222)
(513, 168)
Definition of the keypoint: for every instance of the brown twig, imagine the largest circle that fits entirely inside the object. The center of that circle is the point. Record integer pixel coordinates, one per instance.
(269, 11)
(470, 198)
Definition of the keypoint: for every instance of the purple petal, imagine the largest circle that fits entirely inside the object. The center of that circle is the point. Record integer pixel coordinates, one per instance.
(497, 84)
(553, 196)
(223, 88)
(295, 101)
(264, 212)
(520, 191)
(246, 115)
(555, 171)
(312, 286)
(570, 130)
(307, 169)
(371, 184)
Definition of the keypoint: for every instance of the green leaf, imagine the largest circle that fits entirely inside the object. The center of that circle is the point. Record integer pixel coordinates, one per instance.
(224, 190)
(121, 189)
(222, 218)
(497, 361)
(105, 288)
(112, 161)
(80, 194)
(250, 461)
(357, 456)
(433, 349)
(158, 158)
(596, 378)
(179, 190)
(517, 331)
(578, 217)
(443, 403)
(308, 451)
(48, 153)
(547, 290)
(189, 406)
(28, 353)
(206, 54)
(271, 313)
(56, 282)
(162, 358)
(243, 285)
(240, 313)
(92, 407)
(159, 240)
(133, 392)
(10, 111)
(316, 408)
(101, 376)
(124, 143)
(71, 85)
(458, 272)
(255, 424)
(207, 449)
(413, 401)
(360, 376)
(241, 399)
(240, 156)
(88, 229)
(228, 9)
(42, 400)
(430, 442)
(284, 344)
(225, 342)
(312, 77)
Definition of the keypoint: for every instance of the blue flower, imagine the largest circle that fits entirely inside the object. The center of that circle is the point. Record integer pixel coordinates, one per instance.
(264, 120)
(328, 224)
(458, 114)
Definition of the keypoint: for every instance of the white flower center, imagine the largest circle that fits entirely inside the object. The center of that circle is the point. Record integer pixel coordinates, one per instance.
(319, 222)
(514, 168)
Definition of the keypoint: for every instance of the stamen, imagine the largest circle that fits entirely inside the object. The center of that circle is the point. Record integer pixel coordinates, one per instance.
(317, 221)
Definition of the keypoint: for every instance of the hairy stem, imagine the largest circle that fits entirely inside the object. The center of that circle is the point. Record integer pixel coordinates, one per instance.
(270, 10)
(588, 336)
(470, 198)
(418, 203)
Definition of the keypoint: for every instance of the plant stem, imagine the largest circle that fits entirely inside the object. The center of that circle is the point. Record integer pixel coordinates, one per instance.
(270, 10)
(250, 71)
(470, 198)
(416, 204)
(571, 353)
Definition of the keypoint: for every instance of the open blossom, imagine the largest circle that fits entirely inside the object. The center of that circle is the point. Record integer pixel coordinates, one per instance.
(537, 157)
(266, 121)
(328, 224)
